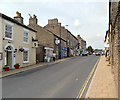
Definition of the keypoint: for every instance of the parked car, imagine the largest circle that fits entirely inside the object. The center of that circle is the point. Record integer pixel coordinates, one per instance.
(97, 54)
(89, 53)
(94, 53)
(84, 54)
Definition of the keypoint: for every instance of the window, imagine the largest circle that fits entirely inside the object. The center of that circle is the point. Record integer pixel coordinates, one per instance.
(25, 37)
(8, 31)
(25, 56)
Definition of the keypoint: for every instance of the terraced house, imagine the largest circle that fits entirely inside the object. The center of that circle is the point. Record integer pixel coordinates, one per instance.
(82, 44)
(60, 37)
(67, 43)
(16, 42)
(45, 40)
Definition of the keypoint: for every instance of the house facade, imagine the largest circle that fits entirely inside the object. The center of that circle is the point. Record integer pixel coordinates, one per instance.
(45, 41)
(60, 37)
(16, 42)
(82, 45)
(63, 42)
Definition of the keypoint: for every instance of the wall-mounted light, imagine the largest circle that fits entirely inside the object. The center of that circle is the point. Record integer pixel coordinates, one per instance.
(15, 51)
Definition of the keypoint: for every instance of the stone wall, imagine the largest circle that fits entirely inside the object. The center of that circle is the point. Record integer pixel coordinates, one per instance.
(44, 37)
(115, 42)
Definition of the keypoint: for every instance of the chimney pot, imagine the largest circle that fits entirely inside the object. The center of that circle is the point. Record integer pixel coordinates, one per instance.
(18, 17)
(33, 20)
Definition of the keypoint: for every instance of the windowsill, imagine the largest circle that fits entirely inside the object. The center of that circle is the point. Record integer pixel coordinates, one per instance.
(8, 39)
(26, 42)
(25, 62)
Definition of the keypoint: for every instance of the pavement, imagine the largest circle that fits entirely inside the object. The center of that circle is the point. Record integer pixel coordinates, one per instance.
(102, 84)
(63, 79)
(23, 69)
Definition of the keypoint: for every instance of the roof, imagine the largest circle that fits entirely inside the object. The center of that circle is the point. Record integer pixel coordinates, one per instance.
(16, 22)
(56, 35)
(72, 34)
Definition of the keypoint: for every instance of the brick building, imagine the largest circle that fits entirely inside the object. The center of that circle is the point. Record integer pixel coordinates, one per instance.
(45, 40)
(114, 31)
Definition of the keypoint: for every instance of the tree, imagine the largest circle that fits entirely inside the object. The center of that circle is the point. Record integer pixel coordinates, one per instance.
(90, 49)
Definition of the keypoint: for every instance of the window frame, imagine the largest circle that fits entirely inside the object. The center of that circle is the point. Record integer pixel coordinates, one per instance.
(26, 49)
(25, 31)
(9, 24)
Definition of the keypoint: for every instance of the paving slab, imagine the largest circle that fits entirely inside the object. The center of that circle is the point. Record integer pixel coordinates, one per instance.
(102, 84)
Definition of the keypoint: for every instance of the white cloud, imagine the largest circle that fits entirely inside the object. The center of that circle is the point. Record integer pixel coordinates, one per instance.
(98, 35)
(90, 20)
(76, 23)
(13, 1)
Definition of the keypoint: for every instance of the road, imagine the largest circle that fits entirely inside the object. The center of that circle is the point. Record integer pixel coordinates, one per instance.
(59, 80)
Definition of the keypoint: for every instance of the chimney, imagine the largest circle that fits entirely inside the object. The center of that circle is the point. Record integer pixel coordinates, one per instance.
(33, 20)
(18, 17)
(78, 36)
(53, 21)
(59, 24)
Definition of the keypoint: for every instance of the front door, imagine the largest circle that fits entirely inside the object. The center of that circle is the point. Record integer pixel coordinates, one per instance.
(9, 58)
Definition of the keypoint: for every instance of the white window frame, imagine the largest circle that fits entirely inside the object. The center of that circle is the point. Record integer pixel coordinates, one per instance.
(11, 24)
(25, 30)
(26, 49)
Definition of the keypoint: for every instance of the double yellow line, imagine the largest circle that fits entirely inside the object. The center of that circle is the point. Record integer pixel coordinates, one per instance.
(87, 80)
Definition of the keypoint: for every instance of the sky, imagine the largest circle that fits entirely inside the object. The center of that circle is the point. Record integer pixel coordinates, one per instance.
(88, 18)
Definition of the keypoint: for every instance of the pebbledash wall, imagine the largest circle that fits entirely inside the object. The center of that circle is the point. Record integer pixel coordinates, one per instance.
(11, 46)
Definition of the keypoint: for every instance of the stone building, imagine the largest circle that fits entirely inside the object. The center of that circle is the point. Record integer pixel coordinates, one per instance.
(16, 42)
(72, 43)
(68, 43)
(82, 45)
(45, 40)
(60, 33)
(114, 31)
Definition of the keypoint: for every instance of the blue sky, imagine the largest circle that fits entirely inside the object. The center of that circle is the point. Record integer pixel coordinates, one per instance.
(89, 18)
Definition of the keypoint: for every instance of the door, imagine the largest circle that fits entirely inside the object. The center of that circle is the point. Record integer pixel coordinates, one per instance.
(9, 58)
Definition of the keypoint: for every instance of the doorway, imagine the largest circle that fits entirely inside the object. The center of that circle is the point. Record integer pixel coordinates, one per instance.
(9, 55)
(9, 58)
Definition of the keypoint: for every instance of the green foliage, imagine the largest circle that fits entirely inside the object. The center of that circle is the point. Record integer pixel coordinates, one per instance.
(6, 66)
(17, 64)
(90, 49)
